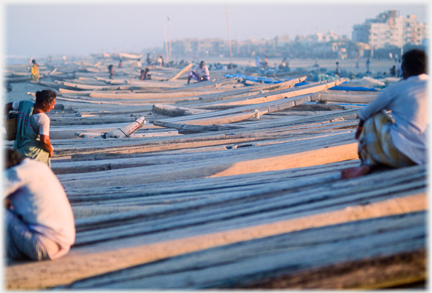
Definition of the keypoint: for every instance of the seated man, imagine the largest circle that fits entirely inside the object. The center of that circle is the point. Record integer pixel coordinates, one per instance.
(39, 223)
(398, 140)
(145, 74)
(201, 73)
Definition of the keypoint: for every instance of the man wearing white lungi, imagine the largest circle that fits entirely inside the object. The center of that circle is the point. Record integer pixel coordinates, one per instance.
(398, 138)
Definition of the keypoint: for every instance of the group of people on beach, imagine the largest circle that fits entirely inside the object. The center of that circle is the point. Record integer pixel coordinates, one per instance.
(39, 220)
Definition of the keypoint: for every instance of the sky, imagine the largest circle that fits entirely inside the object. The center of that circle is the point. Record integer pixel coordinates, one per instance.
(35, 28)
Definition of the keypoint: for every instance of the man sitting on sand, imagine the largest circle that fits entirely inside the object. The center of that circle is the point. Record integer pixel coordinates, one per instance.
(145, 74)
(39, 223)
(201, 73)
(399, 139)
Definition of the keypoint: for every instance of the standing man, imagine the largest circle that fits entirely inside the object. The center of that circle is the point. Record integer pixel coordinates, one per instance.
(338, 69)
(201, 73)
(368, 61)
(398, 140)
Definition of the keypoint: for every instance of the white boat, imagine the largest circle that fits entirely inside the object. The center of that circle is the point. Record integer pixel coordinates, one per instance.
(126, 56)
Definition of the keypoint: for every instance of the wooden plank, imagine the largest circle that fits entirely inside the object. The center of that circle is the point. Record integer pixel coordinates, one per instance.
(185, 69)
(291, 255)
(75, 267)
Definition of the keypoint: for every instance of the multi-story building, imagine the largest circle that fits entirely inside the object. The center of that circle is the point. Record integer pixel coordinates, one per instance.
(415, 32)
(389, 29)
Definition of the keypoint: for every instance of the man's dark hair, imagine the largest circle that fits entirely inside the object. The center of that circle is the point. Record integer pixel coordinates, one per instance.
(13, 158)
(414, 62)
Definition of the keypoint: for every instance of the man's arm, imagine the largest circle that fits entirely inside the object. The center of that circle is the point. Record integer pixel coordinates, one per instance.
(380, 103)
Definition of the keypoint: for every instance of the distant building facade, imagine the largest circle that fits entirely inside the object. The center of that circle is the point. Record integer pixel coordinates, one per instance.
(387, 33)
(389, 29)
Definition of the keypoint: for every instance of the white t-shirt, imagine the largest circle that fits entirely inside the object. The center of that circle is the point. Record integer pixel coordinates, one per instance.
(202, 71)
(42, 120)
(38, 196)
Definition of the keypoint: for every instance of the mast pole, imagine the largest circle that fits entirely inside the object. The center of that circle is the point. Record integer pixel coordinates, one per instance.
(229, 37)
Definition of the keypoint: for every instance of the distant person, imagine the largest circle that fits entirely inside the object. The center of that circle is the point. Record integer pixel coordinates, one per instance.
(398, 140)
(144, 74)
(148, 59)
(257, 61)
(33, 126)
(338, 69)
(120, 64)
(393, 71)
(39, 222)
(368, 61)
(111, 71)
(265, 63)
(159, 60)
(138, 63)
(34, 71)
(201, 73)
(283, 65)
(390, 56)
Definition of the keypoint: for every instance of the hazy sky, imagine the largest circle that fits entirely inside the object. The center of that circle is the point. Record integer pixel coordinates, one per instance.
(34, 28)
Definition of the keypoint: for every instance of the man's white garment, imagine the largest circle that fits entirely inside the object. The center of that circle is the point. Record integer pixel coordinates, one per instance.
(202, 71)
(407, 99)
(37, 195)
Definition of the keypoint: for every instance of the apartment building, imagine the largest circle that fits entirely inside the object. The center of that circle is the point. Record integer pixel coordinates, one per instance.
(390, 29)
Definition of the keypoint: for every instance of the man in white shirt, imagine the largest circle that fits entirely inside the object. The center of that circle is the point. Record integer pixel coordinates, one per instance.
(201, 73)
(39, 222)
(398, 140)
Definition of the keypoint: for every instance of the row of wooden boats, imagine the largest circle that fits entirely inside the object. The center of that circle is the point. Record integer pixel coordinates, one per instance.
(226, 185)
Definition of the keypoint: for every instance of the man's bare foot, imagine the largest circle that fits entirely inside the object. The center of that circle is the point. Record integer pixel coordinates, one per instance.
(355, 172)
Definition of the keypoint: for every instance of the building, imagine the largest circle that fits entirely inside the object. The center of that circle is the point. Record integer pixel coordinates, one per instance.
(389, 29)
